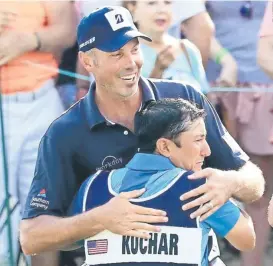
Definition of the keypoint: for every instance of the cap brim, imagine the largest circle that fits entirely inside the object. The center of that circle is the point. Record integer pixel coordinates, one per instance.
(120, 40)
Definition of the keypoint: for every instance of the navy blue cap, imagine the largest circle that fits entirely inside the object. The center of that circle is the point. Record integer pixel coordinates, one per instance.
(107, 29)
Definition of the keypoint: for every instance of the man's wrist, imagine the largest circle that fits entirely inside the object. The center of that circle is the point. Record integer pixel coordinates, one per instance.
(98, 215)
(85, 225)
(237, 182)
(228, 60)
(220, 55)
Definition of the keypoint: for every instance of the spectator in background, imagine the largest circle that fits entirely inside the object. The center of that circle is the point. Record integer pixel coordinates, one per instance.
(192, 21)
(166, 57)
(33, 36)
(250, 110)
(221, 56)
(227, 78)
(66, 82)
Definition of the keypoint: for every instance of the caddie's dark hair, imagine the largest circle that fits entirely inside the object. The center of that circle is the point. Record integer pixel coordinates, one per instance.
(165, 118)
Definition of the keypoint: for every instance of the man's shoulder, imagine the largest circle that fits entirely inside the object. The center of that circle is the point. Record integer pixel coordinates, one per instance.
(174, 88)
(67, 126)
(161, 83)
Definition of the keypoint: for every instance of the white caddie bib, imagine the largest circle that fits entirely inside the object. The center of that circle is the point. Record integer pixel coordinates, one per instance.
(171, 245)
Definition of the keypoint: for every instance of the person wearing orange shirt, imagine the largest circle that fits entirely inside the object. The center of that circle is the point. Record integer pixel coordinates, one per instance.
(33, 36)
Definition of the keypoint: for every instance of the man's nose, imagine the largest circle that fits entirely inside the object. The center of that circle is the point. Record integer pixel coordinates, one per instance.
(130, 61)
(206, 149)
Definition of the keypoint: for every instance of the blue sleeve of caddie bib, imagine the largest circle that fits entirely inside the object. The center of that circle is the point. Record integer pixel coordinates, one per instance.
(76, 206)
(223, 220)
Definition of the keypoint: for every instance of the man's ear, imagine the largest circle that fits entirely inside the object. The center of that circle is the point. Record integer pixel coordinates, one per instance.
(86, 61)
(163, 147)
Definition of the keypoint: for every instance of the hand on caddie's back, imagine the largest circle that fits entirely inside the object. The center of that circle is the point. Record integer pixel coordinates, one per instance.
(212, 195)
(125, 218)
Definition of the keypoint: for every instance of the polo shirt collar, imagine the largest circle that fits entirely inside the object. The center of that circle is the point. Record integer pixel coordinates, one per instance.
(150, 162)
(92, 113)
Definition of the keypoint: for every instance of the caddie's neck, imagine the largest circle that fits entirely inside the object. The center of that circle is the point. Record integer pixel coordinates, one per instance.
(117, 108)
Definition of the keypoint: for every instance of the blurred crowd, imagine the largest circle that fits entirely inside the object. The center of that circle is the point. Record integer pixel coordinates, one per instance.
(223, 48)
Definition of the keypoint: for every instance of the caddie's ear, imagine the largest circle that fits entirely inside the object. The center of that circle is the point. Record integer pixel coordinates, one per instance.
(163, 147)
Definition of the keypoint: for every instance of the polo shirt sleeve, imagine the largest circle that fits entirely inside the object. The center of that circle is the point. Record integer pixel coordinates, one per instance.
(224, 219)
(54, 183)
(226, 154)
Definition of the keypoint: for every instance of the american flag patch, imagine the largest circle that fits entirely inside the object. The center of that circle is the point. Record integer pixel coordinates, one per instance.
(97, 246)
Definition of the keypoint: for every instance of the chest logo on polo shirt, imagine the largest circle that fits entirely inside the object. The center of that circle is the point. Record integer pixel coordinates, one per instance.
(109, 162)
